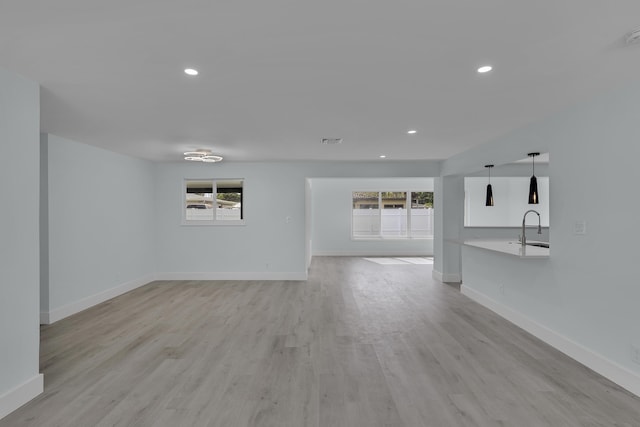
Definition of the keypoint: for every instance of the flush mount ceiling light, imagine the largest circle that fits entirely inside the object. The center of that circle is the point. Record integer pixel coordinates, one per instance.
(191, 71)
(485, 69)
(489, 200)
(633, 37)
(382, 156)
(412, 131)
(533, 184)
(202, 156)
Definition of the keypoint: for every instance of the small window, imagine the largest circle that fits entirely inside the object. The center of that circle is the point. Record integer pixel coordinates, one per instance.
(210, 202)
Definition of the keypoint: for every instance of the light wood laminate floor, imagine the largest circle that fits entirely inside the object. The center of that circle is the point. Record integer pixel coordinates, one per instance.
(358, 344)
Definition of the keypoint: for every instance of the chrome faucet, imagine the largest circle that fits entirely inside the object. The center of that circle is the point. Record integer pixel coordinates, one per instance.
(523, 238)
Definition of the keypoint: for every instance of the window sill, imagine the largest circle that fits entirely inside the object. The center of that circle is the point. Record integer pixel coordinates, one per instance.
(214, 223)
(391, 238)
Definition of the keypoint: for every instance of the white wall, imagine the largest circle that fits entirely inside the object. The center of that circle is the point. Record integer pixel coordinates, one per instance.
(449, 210)
(264, 246)
(19, 241)
(332, 202)
(308, 209)
(267, 246)
(44, 223)
(101, 225)
(510, 202)
(589, 290)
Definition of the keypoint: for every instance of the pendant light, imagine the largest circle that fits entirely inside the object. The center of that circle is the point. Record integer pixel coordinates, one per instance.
(533, 184)
(489, 199)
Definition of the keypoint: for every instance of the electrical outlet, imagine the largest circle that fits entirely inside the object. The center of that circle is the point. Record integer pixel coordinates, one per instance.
(635, 353)
(580, 227)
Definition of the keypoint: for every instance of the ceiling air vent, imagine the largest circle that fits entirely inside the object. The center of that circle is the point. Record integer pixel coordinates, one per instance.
(331, 141)
(633, 37)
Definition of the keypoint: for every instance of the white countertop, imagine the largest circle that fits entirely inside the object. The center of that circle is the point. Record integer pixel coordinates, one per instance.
(510, 247)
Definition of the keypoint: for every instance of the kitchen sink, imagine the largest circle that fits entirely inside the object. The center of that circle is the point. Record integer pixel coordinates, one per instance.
(539, 244)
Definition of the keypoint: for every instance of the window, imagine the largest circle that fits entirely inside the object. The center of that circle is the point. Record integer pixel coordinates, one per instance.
(404, 214)
(201, 207)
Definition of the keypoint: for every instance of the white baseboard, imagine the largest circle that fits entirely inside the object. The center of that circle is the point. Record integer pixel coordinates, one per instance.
(372, 254)
(605, 367)
(13, 399)
(88, 302)
(447, 278)
(44, 318)
(262, 275)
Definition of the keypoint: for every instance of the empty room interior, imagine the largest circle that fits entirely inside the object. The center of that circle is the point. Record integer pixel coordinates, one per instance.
(414, 213)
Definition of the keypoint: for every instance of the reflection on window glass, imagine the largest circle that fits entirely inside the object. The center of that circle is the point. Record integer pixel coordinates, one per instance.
(421, 199)
(394, 199)
(421, 214)
(199, 201)
(365, 200)
(365, 213)
(394, 214)
(229, 200)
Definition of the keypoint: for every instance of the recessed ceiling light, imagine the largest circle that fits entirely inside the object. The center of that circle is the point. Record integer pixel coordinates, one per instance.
(412, 131)
(382, 156)
(191, 71)
(485, 69)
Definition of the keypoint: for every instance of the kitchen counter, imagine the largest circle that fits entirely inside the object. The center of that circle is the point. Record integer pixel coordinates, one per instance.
(510, 247)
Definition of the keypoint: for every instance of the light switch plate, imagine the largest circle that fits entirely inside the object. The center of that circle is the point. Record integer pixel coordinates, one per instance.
(580, 227)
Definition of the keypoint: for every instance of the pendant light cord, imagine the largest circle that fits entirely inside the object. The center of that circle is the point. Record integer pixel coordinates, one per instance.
(533, 161)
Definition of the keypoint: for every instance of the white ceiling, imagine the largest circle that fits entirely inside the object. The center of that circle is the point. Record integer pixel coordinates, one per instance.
(277, 76)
